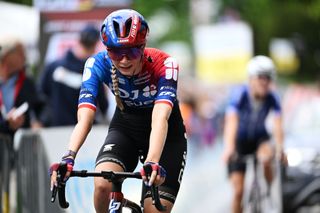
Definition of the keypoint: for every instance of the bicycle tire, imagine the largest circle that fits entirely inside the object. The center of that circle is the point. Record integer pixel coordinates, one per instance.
(256, 200)
(252, 198)
(131, 205)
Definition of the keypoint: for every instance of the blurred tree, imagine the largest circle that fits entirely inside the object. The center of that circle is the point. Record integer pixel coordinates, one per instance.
(181, 28)
(292, 19)
(26, 2)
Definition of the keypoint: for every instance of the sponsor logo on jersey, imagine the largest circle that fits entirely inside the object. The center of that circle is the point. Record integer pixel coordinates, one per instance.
(150, 91)
(108, 147)
(122, 81)
(171, 68)
(167, 88)
(138, 103)
(85, 95)
(167, 93)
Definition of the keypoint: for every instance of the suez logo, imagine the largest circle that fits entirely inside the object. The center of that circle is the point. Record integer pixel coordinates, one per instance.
(114, 206)
(172, 68)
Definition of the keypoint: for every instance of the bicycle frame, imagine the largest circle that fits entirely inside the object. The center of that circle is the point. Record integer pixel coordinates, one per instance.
(255, 191)
(252, 193)
(117, 200)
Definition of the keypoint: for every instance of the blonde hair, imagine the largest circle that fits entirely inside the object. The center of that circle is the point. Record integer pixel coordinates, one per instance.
(115, 85)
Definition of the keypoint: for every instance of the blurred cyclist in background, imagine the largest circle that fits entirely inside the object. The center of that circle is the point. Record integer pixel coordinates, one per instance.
(147, 121)
(245, 132)
(61, 80)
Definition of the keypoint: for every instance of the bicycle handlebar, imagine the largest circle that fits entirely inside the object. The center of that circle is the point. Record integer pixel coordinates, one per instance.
(109, 175)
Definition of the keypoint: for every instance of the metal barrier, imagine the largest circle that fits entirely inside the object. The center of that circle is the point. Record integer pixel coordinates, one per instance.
(35, 152)
(6, 152)
(33, 193)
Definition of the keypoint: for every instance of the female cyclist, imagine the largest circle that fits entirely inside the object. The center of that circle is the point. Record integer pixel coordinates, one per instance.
(245, 131)
(147, 121)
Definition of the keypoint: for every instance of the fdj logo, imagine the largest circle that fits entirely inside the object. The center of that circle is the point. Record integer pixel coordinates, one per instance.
(114, 206)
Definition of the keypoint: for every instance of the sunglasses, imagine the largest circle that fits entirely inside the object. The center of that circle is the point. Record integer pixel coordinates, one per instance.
(265, 77)
(118, 53)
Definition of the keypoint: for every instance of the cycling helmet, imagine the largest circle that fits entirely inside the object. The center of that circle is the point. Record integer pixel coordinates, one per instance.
(261, 65)
(124, 28)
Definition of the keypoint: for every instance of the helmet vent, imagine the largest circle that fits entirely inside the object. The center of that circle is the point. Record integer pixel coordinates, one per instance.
(128, 26)
(116, 28)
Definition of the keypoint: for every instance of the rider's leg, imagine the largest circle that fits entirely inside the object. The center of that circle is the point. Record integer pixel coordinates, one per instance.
(265, 155)
(237, 181)
(103, 187)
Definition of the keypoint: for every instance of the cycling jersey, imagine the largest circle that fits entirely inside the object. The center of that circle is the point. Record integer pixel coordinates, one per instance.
(252, 114)
(157, 81)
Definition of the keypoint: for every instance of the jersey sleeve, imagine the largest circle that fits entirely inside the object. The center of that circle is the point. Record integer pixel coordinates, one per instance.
(276, 105)
(167, 84)
(234, 100)
(90, 84)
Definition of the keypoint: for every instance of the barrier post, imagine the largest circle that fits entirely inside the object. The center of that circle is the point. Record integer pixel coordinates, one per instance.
(6, 152)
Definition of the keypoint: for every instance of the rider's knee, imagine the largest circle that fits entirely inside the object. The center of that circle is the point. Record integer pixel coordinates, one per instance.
(102, 187)
(265, 159)
(265, 153)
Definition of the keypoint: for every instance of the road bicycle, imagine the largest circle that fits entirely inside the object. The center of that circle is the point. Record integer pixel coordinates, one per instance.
(117, 200)
(252, 195)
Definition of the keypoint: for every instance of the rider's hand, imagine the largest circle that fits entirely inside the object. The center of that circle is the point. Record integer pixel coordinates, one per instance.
(227, 154)
(282, 156)
(68, 159)
(153, 173)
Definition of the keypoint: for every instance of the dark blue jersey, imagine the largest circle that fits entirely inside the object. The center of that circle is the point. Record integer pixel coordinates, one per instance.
(60, 83)
(156, 82)
(252, 114)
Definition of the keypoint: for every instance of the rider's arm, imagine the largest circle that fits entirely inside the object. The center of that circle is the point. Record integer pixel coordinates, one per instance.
(278, 133)
(230, 130)
(160, 115)
(277, 124)
(87, 104)
(232, 122)
(82, 128)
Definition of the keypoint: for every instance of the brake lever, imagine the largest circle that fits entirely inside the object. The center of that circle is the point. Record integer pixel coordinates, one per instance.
(54, 194)
(156, 199)
(154, 191)
(60, 189)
